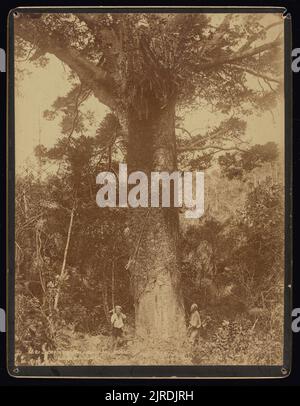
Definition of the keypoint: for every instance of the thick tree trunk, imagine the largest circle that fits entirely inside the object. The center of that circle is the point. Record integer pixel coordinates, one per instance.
(155, 269)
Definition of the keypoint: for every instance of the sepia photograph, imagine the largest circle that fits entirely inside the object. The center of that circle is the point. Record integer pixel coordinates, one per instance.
(149, 194)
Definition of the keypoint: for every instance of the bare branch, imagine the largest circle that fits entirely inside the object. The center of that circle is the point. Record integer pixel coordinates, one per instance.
(216, 147)
(199, 139)
(222, 137)
(184, 130)
(255, 73)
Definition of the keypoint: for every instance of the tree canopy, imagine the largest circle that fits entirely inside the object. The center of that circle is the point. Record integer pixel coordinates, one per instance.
(229, 63)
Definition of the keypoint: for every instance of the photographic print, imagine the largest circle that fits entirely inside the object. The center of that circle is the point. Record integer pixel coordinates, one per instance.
(149, 188)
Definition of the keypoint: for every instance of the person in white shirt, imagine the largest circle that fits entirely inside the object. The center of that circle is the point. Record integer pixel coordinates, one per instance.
(117, 322)
(195, 324)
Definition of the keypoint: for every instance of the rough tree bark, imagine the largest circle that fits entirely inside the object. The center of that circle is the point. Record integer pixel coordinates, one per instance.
(155, 270)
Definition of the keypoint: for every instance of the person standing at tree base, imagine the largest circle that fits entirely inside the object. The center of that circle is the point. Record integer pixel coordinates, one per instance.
(117, 322)
(194, 325)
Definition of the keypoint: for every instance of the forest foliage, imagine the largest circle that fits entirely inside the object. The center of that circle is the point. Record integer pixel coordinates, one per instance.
(231, 257)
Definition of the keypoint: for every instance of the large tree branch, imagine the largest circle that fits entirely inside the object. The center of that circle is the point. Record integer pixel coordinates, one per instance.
(96, 78)
(238, 56)
(108, 35)
(252, 38)
(218, 34)
(89, 20)
(98, 27)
